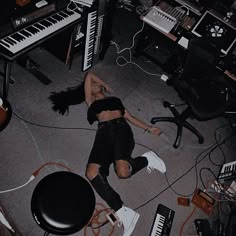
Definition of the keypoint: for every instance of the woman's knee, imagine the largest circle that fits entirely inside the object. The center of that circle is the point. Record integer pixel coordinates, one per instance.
(92, 171)
(122, 169)
(123, 174)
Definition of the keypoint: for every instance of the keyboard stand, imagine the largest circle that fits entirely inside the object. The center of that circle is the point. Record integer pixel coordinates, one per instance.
(11, 79)
(6, 78)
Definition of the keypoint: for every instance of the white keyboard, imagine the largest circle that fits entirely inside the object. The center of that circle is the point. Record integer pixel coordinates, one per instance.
(27, 36)
(90, 40)
(160, 20)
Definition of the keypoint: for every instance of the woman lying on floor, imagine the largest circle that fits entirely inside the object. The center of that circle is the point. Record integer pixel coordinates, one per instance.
(114, 143)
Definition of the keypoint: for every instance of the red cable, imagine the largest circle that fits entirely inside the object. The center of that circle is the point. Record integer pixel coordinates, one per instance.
(182, 226)
(36, 172)
(95, 221)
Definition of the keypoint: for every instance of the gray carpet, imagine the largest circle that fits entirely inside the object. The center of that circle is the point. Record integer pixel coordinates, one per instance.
(26, 146)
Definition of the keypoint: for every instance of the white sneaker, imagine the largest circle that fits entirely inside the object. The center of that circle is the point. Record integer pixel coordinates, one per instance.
(128, 219)
(154, 162)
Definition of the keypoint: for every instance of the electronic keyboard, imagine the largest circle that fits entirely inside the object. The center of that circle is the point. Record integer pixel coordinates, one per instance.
(90, 40)
(160, 20)
(228, 171)
(25, 37)
(162, 221)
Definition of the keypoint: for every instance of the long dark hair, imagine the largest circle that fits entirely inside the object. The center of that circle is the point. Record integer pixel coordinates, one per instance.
(71, 96)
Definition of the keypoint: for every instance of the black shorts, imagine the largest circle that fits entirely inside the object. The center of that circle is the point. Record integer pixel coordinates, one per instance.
(113, 141)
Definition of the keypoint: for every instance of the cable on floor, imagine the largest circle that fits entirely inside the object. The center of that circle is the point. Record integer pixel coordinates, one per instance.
(96, 220)
(34, 174)
(129, 61)
(188, 218)
(193, 167)
(213, 147)
(200, 175)
(51, 127)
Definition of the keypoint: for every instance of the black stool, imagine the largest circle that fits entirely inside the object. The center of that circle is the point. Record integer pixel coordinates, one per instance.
(62, 203)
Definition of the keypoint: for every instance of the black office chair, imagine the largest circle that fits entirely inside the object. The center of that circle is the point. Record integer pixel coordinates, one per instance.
(200, 87)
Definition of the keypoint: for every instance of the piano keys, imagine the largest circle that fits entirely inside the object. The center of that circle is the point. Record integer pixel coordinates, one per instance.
(96, 34)
(99, 34)
(90, 40)
(227, 171)
(103, 8)
(162, 221)
(33, 33)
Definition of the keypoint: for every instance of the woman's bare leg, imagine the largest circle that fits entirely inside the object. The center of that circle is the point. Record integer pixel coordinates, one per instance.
(102, 187)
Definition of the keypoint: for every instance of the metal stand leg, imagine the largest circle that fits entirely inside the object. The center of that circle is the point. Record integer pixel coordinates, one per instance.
(6, 79)
(11, 79)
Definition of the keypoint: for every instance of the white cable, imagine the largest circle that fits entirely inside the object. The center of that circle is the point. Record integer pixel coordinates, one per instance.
(21, 186)
(140, 10)
(5, 222)
(34, 141)
(183, 7)
(74, 8)
(130, 54)
(39, 155)
(132, 41)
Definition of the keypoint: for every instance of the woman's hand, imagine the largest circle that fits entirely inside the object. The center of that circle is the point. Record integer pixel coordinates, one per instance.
(108, 89)
(153, 130)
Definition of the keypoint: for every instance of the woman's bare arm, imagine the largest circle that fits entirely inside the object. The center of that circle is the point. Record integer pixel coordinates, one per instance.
(88, 89)
(89, 79)
(139, 123)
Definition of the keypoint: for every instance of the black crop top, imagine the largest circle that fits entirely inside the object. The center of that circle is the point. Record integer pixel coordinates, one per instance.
(109, 103)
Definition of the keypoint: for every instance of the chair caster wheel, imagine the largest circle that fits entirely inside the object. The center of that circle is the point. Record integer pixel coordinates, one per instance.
(153, 121)
(166, 104)
(176, 146)
(201, 140)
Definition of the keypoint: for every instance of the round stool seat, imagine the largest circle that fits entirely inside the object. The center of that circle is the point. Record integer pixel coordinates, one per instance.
(62, 203)
(5, 114)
